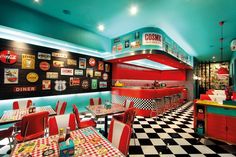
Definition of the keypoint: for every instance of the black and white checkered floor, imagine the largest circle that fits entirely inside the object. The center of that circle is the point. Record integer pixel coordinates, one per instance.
(168, 136)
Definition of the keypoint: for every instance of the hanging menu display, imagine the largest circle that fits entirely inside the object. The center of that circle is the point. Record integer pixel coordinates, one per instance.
(31, 71)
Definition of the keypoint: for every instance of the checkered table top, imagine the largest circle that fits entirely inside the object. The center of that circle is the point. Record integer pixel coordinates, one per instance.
(16, 115)
(100, 110)
(88, 143)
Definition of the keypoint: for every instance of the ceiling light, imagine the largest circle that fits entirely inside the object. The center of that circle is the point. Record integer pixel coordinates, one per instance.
(37, 1)
(213, 57)
(101, 27)
(133, 10)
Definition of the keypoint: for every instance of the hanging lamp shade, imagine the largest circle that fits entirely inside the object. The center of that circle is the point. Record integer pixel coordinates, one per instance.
(223, 71)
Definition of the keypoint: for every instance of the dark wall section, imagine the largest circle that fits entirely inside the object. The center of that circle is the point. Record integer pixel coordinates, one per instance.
(22, 18)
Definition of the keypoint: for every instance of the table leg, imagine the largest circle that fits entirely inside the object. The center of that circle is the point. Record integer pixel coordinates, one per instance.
(106, 125)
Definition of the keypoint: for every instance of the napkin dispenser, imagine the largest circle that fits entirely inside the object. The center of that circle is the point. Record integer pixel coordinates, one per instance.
(67, 148)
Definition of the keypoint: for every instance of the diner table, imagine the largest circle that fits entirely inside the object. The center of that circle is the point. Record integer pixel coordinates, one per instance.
(87, 143)
(12, 116)
(100, 111)
(217, 98)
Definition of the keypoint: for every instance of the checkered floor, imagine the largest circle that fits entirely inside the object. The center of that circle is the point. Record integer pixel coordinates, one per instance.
(168, 136)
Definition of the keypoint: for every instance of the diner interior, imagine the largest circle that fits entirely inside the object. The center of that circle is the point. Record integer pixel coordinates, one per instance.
(105, 78)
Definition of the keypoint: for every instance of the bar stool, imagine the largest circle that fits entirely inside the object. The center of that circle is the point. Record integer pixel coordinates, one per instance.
(167, 102)
(158, 107)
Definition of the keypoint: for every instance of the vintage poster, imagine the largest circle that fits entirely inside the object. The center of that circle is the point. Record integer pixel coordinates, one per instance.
(74, 81)
(32, 77)
(92, 62)
(107, 68)
(135, 44)
(71, 62)
(60, 85)
(101, 65)
(102, 84)
(11, 76)
(58, 64)
(46, 84)
(8, 57)
(45, 66)
(44, 56)
(82, 63)
(89, 72)
(97, 74)
(79, 72)
(59, 54)
(152, 38)
(28, 61)
(85, 84)
(94, 84)
(52, 75)
(67, 71)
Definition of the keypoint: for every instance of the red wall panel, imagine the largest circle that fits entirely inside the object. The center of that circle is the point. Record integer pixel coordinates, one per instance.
(124, 71)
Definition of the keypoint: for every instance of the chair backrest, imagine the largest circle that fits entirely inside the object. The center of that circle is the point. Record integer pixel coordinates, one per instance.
(95, 101)
(61, 121)
(204, 97)
(22, 104)
(119, 135)
(128, 104)
(61, 107)
(129, 116)
(33, 125)
(76, 112)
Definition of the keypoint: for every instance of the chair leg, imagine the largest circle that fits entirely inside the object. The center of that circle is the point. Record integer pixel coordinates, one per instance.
(133, 134)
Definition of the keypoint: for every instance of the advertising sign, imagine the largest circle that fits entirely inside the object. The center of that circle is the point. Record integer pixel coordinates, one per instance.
(60, 85)
(67, 71)
(52, 75)
(92, 62)
(24, 89)
(32, 77)
(44, 56)
(28, 61)
(94, 84)
(100, 65)
(102, 84)
(74, 81)
(152, 39)
(71, 62)
(46, 84)
(89, 72)
(135, 44)
(97, 74)
(105, 76)
(107, 68)
(11, 76)
(58, 64)
(79, 72)
(85, 84)
(59, 54)
(8, 57)
(82, 63)
(45, 66)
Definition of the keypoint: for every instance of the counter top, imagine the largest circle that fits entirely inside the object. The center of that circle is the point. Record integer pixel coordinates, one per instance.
(214, 104)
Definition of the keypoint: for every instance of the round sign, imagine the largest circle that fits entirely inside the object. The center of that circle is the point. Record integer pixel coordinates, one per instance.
(45, 66)
(92, 62)
(8, 57)
(105, 76)
(85, 84)
(32, 77)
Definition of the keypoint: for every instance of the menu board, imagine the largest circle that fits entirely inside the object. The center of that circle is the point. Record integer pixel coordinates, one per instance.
(30, 71)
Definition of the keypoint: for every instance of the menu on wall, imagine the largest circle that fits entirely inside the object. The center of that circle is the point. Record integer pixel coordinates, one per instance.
(31, 71)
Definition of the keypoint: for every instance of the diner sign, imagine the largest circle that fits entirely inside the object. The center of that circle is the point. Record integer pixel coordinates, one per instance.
(24, 89)
(152, 39)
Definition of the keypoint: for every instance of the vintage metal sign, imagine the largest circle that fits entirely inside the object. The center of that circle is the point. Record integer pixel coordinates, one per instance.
(28, 61)
(44, 56)
(46, 84)
(79, 72)
(71, 62)
(101, 65)
(92, 62)
(85, 84)
(52, 75)
(89, 72)
(58, 64)
(74, 81)
(67, 71)
(24, 89)
(82, 63)
(105, 76)
(97, 74)
(45, 66)
(60, 85)
(107, 68)
(32, 77)
(8, 57)
(59, 54)
(102, 84)
(11, 76)
(152, 39)
(94, 84)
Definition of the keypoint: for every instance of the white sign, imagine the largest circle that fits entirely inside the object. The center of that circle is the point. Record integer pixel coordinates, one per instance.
(152, 39)
(67, 71)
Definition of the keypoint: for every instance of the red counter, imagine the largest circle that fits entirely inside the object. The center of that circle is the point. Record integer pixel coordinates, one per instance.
(143, 98)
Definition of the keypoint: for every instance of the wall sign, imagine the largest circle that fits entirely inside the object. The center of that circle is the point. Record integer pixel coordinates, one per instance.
(24, 89)
(100, 65)
(52, 75)
(135, 44)
(28, 61)
(11, 76)
(8, 57)
(107, 68)
(82, 63)
(97, 74)
(58, 64)
(94, 84)
(45, 66)
(85, 84)
(44, 56)
(102, 84)
(74, 81)
(71, 62)
(152, 39)
(67, 71)
(59, 54)
(60, 85)
(92, 62)
(79, 72)
(32, 77)
(46, 84)
(89, 72)
(105, 76)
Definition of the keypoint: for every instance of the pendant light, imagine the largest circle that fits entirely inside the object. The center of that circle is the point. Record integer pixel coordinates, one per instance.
(222, 70)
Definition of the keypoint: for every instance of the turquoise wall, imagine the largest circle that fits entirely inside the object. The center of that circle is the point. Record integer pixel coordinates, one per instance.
(22, 18)
(81, 100)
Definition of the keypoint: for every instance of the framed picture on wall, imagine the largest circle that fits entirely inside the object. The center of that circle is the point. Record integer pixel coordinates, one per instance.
(82, 63)
(89, 72)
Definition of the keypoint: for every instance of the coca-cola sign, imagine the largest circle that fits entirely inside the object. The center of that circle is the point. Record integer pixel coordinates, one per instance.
(8, 57)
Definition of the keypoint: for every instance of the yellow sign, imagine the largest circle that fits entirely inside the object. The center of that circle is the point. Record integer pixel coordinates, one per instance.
(71, 62)
(28, 61)
(32, 77)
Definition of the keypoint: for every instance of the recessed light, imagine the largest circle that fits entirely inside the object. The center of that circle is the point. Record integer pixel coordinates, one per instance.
(101, 27)
(133, 10)
(213, 57)
(37, 1)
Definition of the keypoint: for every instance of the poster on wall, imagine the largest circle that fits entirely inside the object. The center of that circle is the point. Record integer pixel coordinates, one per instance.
(11, 76)
(152, 38)
(82, 63)
(89, 72)
(135, 44)
(28, 61)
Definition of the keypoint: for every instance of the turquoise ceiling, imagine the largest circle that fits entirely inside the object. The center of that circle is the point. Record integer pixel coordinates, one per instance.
(193, 24)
